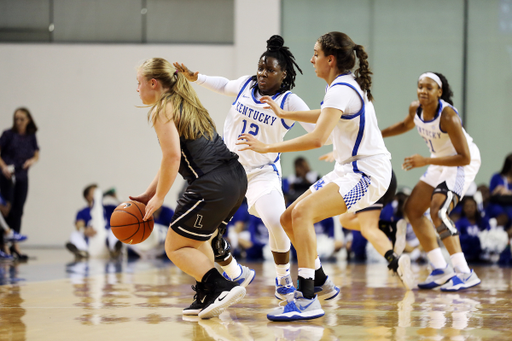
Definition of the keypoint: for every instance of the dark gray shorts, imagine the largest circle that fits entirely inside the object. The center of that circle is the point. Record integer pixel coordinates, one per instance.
(210, 201)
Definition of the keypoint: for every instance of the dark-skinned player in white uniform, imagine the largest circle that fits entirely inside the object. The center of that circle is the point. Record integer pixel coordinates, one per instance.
(452, 166)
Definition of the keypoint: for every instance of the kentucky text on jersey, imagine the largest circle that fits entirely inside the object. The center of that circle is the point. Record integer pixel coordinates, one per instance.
(256, 115)
(428, 133)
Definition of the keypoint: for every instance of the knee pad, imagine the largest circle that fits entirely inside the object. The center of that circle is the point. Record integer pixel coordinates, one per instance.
(447, 227)
(221, 248)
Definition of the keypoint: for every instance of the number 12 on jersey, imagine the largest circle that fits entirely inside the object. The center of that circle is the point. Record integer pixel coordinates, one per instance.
(253, 128)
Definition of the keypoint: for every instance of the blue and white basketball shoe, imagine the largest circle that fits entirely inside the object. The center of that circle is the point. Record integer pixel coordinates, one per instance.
(298, 308)
(437, 278)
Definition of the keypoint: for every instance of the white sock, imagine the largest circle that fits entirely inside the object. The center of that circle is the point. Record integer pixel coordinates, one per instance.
(282, 270)
(436, 258)
(318, 264)
(233, 270)
(459, 262)
(306, 273)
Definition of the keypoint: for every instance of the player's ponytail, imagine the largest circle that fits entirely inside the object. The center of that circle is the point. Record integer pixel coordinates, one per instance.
(447, 91)
(190, 117)
(363, 74)
(340, 45)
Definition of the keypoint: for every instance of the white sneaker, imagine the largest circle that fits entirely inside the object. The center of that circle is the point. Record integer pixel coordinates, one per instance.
(245, 278)
(328, 290)
(404, 272)
(400, 241)
(437, 278)
(461, 281)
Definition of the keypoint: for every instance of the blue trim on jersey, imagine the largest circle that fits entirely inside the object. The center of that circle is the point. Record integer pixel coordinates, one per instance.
(277, 158)
(242, 90)
(253, 94)
(275, 169)
(285, 125)
(362, 122)
(451, 106)
(439, 109)
(282, 107)
(360, 112)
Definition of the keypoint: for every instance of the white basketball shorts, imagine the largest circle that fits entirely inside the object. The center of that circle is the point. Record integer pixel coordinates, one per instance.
(458, 178)
(361, 182)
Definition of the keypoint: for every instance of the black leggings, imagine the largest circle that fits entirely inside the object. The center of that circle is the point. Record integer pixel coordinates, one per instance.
(16, 194)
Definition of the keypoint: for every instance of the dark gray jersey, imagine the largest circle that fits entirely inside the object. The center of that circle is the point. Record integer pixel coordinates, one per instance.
(200, 156)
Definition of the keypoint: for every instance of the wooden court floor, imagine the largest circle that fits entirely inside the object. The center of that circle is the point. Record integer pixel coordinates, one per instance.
(53, 298)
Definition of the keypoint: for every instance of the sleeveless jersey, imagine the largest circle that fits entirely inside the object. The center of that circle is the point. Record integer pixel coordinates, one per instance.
(200, 156)
(356, 135)
(438, 141)
(247, 115)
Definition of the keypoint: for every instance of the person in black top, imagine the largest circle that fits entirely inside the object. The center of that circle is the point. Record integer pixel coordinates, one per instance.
(19, 150)
(216, 182)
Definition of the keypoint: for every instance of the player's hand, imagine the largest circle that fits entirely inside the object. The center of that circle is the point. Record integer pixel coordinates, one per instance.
(251, 143)
(6, 172)
(274, 106)
(191, 76)
(329, 157)
(143, 198)
(414, 161)
(154, 204)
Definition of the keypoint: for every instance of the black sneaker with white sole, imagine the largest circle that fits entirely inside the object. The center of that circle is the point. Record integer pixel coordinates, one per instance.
(199, 301)
(219, 294)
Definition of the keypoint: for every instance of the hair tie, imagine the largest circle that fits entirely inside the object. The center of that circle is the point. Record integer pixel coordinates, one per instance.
(432, 76)
(176, 72)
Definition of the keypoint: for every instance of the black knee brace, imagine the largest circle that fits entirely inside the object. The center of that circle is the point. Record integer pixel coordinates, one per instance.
(221, 248)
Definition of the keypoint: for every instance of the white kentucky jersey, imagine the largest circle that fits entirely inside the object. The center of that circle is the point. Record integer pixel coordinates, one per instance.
(248, 115)
(357, 134)
(436, 139)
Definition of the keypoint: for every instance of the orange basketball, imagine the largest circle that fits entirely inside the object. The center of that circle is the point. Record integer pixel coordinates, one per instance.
(127, 224)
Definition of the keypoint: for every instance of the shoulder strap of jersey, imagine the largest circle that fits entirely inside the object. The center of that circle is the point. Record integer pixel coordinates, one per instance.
(349, 117)
(243, 88)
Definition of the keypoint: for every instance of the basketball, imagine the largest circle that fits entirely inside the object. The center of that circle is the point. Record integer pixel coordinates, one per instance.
(127, 224)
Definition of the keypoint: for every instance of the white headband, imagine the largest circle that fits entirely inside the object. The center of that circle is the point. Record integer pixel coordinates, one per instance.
(432, 76)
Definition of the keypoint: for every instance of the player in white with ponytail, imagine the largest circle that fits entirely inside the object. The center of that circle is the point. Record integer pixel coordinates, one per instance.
(362, 173)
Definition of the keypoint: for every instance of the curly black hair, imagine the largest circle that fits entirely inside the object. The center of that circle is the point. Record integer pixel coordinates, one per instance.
(285, 60)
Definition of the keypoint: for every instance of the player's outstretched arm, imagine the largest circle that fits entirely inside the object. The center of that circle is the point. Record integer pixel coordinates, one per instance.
(325, 125)
(403, 126)
(309, 116)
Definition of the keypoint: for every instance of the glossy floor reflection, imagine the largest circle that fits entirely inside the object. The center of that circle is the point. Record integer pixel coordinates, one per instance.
(52, 298)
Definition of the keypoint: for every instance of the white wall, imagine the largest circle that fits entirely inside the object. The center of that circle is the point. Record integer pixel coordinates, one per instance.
(83, 99)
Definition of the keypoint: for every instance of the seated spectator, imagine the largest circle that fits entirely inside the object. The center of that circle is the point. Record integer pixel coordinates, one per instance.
(301, 180)
(84, 230)
(480, 237)
(501, 187)
(470, 224)
(490, 209)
